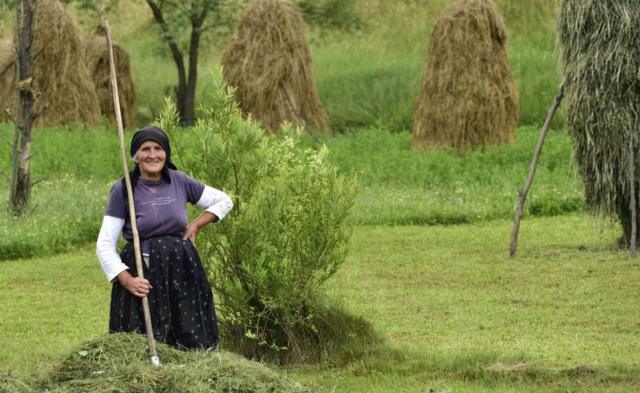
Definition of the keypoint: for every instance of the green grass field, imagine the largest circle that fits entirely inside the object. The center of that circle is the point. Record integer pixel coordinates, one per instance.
(456, 313)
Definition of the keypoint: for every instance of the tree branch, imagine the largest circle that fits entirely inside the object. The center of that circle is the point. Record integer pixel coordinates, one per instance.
(11, 63)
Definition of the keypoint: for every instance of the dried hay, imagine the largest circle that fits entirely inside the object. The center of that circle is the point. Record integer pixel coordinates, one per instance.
(7, 80)
(97, 54)
(269, 64)
(600, 43)
(63, 89)
(120, 363)
(468, 96)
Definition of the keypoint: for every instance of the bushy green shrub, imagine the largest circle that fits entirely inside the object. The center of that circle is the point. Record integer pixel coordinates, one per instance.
(287, 234)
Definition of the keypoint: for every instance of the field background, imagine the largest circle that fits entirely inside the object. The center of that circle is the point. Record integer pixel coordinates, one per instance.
(428, 263)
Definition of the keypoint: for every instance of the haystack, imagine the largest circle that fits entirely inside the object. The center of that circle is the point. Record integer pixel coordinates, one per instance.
(63, 89)
(97, 55)
(468, 95)
(7, 79)
(600, 43)
(120, 363)
(269, 64)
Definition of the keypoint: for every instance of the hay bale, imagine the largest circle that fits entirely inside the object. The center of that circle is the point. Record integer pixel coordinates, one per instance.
(468, 95)
(599, 43)
(61, 79)
(7, 80)
(269, 64)
(120, 363)
(97, 55)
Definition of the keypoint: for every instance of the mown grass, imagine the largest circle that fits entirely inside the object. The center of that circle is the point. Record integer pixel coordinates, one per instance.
(457, 314)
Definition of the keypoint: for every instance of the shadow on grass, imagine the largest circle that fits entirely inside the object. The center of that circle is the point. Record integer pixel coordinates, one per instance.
(488, 368)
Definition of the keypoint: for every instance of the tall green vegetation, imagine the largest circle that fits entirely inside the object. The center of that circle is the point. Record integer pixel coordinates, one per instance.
(600, 42)
(287, 234)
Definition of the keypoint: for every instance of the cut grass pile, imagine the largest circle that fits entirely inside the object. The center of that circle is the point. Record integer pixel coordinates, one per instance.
(120, 363)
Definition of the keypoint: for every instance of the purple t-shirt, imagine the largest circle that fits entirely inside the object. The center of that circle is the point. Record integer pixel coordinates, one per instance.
(160, 206)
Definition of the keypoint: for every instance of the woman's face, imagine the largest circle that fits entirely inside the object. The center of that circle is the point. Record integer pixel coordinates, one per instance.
(150, 159)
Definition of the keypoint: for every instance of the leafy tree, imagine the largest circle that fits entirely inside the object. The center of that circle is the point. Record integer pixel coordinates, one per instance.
(174, 17)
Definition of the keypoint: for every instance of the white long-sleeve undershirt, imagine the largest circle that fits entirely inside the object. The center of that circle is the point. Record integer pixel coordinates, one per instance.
(212, 200)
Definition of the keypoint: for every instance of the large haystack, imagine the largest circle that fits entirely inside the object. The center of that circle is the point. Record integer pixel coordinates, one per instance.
(269, 64)
(600, 43)
(7, 79)
(61, 81)
(468, 95)
(97, 55)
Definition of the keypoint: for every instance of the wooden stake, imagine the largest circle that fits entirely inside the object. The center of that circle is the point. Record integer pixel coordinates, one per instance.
(132, 211)
(532, 170)
(294, 113)
(632, 199)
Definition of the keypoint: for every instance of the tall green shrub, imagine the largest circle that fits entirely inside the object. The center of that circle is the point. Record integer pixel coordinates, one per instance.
(287, 234)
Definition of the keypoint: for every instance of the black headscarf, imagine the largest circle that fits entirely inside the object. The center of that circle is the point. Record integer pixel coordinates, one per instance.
(155, 134)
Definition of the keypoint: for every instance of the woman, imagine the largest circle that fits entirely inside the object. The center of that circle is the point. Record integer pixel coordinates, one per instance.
(180, 298)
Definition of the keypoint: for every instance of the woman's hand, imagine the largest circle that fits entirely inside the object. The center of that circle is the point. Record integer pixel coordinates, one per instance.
(192, 229)
(139, 287)
(191, 232)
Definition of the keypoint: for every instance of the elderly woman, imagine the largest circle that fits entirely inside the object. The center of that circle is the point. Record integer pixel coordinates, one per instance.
(180, 297)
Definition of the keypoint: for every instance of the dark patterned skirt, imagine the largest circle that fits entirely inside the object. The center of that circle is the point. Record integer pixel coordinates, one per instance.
(181, 301)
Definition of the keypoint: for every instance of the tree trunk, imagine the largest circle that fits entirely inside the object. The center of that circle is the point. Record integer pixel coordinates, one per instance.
(20, 185)
(188, 116)
(178, 58)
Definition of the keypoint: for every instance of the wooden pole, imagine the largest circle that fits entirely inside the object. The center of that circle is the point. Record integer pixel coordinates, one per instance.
(20, 183)
(632, 199)
(132, 211)
(532, 170)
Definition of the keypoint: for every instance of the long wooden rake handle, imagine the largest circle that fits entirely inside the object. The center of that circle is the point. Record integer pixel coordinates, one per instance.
(155, 360)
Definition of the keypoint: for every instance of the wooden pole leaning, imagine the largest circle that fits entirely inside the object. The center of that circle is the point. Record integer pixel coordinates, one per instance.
(632, 199)
(532, 170)
(155, 360)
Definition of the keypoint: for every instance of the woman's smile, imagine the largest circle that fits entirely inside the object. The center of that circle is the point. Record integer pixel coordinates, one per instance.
(151, 159)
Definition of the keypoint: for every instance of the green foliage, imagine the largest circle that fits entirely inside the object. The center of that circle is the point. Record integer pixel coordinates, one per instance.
(74, 169)
(288, 232)
(371, 77)
(93, 4)
(439, 187)
(63, 214)
(331, 14)
(220, 18)
(400, 185)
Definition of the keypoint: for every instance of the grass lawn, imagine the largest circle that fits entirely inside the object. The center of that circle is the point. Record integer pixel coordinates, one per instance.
(457, 314)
